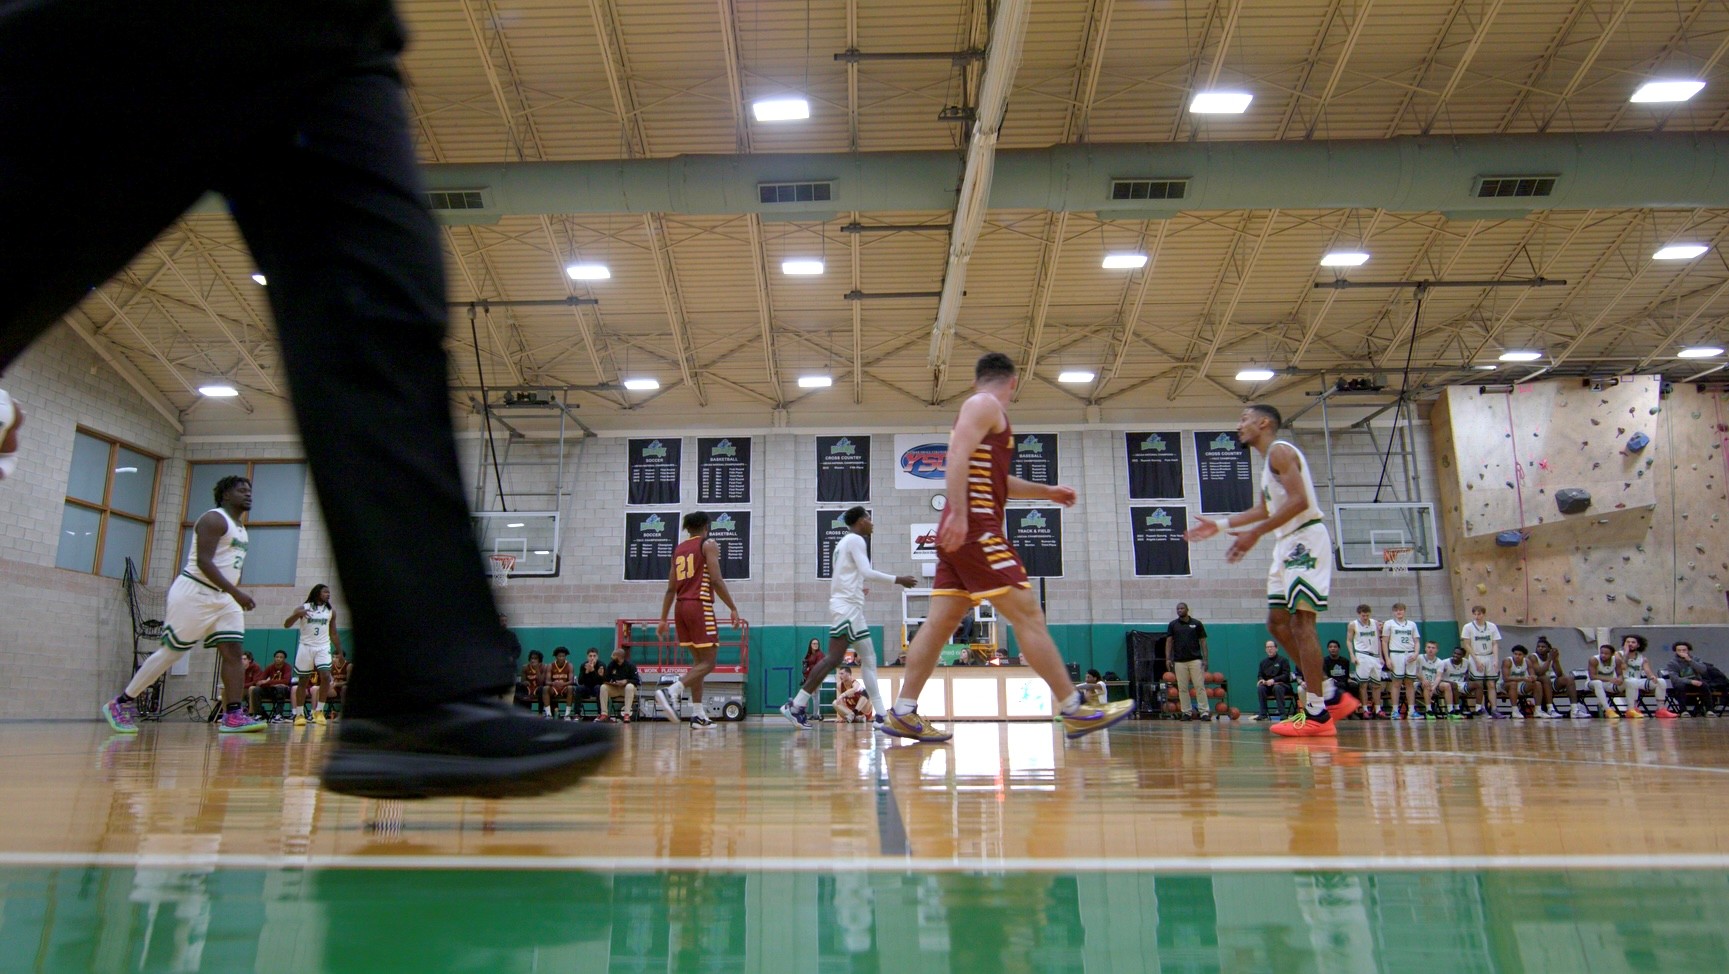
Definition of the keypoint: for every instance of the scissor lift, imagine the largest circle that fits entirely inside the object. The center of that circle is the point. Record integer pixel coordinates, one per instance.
(661, 661)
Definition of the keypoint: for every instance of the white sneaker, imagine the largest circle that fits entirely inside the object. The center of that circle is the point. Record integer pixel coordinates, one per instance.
(1518, 714)
(666, 698)
(1577, 712)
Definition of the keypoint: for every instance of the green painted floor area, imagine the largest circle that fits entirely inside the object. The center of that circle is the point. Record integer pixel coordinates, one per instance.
(232, 920)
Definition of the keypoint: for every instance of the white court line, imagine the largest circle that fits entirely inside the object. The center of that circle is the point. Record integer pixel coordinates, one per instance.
(911, 864)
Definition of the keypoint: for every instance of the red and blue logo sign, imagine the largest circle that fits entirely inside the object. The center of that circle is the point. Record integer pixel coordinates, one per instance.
(927, 461)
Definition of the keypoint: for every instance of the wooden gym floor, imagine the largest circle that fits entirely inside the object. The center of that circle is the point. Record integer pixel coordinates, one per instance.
(1517, 846)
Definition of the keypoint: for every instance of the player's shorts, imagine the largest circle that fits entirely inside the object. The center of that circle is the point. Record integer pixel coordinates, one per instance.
(200, 613)
(984, 567)
(1368, 669)
(1483, 668)
(309, 658)
(1302, 571)
(1635, 684)
(694, 620)
(1526, 684)
(1457, 683)
(846, 621)
(1404, 665)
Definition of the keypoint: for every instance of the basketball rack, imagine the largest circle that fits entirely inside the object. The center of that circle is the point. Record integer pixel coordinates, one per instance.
(147, 607)
(500, 566)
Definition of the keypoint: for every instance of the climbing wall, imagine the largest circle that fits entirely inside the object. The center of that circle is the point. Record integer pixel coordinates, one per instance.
(1650, 547)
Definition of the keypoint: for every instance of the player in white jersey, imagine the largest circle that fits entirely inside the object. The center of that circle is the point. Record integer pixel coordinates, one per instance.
(1429, 668)
(1520, 681)
(1368, 659)
(847, 627)
(1484, 640)
(1400, 638)
(11, 417)
(1603, 674)
(317, 619)
(1302, 571)
(205, 604)
(1637, 677)
(1455, 683)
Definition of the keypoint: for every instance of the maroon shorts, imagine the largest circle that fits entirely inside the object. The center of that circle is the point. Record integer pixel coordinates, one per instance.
(979, 569)
(694, 622)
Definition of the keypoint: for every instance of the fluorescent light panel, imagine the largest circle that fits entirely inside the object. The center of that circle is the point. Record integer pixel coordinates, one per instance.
(1699, 351)
(1520, 355)
(780, 109)
(815, 381)
(588, 272)
(1485, 368)
(1124, 261)
(1220, 102)
(1076, 376)
(1667, 91)
(218, 390)
(1680, 252)
(1255, 375)
(258, 278)
(801, 267)
(1345, 258)
(642, 385)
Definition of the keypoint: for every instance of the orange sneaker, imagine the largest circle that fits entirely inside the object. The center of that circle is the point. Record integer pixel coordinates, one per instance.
(1344, 707)
(1664, 713)
(1633, 714)
(1302, 725)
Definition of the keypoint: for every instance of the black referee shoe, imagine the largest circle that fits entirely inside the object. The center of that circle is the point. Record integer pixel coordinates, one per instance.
(482, 748)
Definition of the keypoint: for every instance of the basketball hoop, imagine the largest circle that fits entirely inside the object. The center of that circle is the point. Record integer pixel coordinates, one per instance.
(1396, 559)
(501, 568)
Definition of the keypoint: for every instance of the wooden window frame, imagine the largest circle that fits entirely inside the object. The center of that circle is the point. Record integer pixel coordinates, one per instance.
(104, 510)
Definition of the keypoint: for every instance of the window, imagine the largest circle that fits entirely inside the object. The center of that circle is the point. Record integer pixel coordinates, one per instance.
(110, 506)
(273, 524)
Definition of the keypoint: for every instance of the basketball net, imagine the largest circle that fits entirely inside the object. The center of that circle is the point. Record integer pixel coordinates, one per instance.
(1397, 559)
(501, 568)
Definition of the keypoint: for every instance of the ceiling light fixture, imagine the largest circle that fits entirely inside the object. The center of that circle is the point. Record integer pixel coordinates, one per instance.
(1076, 376)
(1485, 368)
(1220, 102)
(1699, 351)
(815, 381)
(514, 524)
(218, 390)
(801, 267)
(1667, 91)
(1680, 252)
(780, 109)
(1124, 261)
(1520, 355)
(1255, 375)
(588, 272)
(1345, 258)
(258, 278)
(642, 385)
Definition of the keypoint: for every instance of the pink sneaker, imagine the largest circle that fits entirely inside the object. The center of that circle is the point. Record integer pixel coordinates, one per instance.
(239, 722)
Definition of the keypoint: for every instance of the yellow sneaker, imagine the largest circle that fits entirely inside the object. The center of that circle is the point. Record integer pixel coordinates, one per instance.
(1096, 717)
(913, 728)
(318, 717)
(299, 719)
(1633, 714)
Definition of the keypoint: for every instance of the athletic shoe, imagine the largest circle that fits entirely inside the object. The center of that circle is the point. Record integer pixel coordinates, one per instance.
(1518, 714)
(700, 720)
(1261, 717)
(913, 728)
(1090, 717)
(1633, 713)
(1341, 708)
(1455, 715)
(482, 747)
(121, 717)
(1578, 712)
(1664, 713)
(300, 720)
(319, 718)
(1302, 725)
(668, 703)
(1203, 717)
(795, 715)
(1612, 714)
(239, 722)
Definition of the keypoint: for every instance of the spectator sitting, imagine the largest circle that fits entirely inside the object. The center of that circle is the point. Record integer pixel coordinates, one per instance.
(851, 703)
(529, 683)
(1093, 689)
(1689, 680)
(560, 680)
(1274, 679)
(590, 677)
(274, 686)
(340, 668)
(1337, 667)
(621, 681)
(254, 676)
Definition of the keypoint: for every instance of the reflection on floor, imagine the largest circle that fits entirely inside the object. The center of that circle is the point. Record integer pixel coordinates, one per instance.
(1548, 846)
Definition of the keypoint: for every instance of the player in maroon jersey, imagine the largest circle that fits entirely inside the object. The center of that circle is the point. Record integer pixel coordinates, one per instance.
(693, 583)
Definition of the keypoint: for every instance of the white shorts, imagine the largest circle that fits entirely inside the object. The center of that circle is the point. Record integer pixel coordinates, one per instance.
(1404, 665)
(1483, 667)
(1302, 571)
(1368, 669)
(309, 658)
(198, 613)
(846, 621)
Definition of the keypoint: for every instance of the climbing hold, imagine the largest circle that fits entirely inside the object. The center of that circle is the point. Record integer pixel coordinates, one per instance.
(1609, 578)
(1596, 466)
(1568, 579)
(1636, 600)
(1620, 431)
(1609, 598)
(1572, 500)
(1481, 588)
(1654, 410)
(1596, 422)
(1543, 464)
(1509, 539)
(1699, 548)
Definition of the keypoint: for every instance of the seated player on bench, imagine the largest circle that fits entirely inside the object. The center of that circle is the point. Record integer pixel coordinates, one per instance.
(1519, 682)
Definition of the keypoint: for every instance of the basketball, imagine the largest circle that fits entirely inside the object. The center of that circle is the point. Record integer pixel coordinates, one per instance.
(1170, 708)
(1236, 714)
(1170, 677)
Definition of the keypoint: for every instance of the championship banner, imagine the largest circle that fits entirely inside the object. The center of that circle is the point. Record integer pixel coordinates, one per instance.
(653, 469)
(1036, 533)
(730, 531)
(920, 460)
(1035, 458)
(830, 528)
(1155, 465)
(722, 470)
(1222, 466)
(843, 469)
(649, 537)
(1157, 535)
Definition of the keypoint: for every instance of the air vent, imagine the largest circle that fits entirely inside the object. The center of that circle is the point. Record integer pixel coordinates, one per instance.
(1149, 189)
(795, 192)
(456, 199)
(1509, 187)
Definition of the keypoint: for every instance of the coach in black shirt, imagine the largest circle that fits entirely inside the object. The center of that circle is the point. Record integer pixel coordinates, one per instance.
(1274, 679)
(1186, 649)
